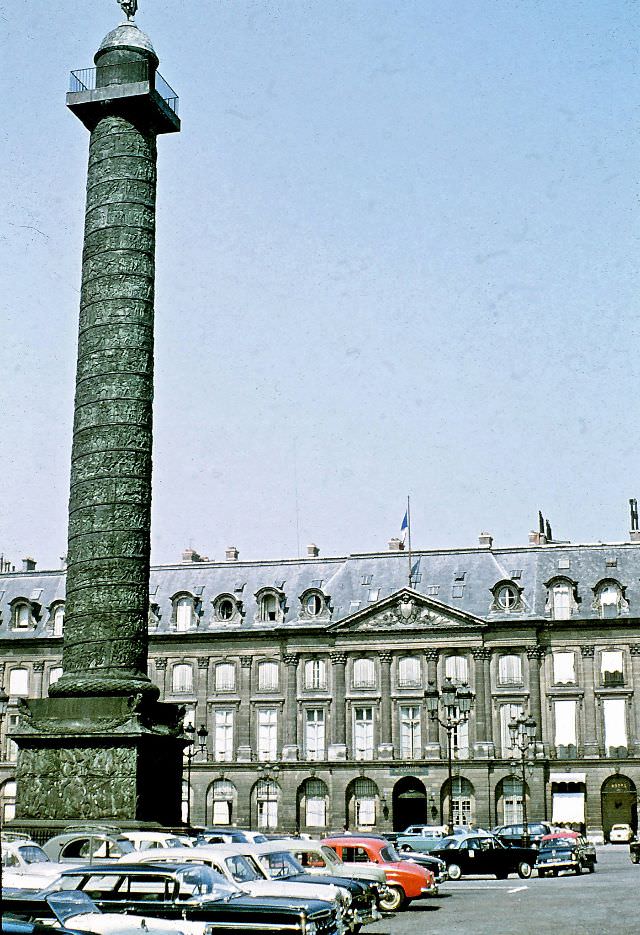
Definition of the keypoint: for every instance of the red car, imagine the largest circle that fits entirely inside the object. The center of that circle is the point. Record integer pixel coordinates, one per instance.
(405, 881)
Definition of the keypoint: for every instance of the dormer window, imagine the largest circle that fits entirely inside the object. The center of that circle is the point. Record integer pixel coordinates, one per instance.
(226, 609)
(184, 615)
(609, 599)
(270, 605)
(21, 614)
(506, 597)
(57, 618)
(314, 603)
(562, 599)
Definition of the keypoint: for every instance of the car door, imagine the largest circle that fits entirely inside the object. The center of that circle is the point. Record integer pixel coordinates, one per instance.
(471, 856)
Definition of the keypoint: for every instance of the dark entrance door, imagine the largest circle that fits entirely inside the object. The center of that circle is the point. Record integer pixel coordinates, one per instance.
(410, 804)
(619, 803)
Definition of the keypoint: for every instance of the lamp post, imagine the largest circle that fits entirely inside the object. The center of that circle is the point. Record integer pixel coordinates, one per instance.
(190, 753)
(454, 703)
(522, 733)
(4, 704)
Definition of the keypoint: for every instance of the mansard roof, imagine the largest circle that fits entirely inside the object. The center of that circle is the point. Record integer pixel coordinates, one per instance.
(459, 579)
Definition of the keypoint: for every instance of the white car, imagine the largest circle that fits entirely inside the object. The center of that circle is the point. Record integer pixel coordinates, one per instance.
(320, 858)
(620, 834)
(26, 866)
(76, 910)
(152, 840)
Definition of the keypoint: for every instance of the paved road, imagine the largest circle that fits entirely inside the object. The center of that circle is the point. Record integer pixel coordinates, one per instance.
(606, 902)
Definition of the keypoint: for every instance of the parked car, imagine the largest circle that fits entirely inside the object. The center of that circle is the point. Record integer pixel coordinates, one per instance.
(422, 838)
(634, 852)
(184, 893)
(88, 845)
(437, 866)
(565, 850)
(25, 865)
(405, 881)
(155, 840)
(318, 858)
(514, 834)
(229, 836)
(620, 834)
(484, 854)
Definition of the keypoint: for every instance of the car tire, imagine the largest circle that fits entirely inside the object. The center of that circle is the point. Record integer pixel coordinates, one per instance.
(395, 901)
(455, 871)
(405, 848)
(524, 870)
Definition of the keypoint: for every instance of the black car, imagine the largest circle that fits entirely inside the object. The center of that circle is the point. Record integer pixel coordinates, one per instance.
(514, 834)
(186, 891)
(558, 852)
(484, 854)
(436, 865)
(634, 852)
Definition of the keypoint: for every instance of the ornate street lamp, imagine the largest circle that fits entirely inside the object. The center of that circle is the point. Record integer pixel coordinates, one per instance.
(522, 733)
(450, 707)
(190, 753)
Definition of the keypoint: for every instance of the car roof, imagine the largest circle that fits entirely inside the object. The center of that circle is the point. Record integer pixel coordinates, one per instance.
(116, 869)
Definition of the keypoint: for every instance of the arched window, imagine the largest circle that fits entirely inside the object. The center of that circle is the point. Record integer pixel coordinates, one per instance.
(270, 605)
(267, 676)
(506, 597)
(314, 793)
(19, 683)
(365, 795)
(223, 794)
(225, 677)
(182, 679)
(462, 804)
(226, 608)
(511, 800)
(562, 599)
(184, 613)
(409, 672)
(456, 668)
(364, 673)
(510, 670)
(267, 794)
(609, 599)
(8, 800)
(54, 674)
(58, 619)
(315, 674)
(313, 604)
(21, 613)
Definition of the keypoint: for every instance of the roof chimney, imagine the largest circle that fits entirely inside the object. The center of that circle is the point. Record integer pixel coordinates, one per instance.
(537, 538)
(634, 534)
(231, 554)
(312, 550)
(485, 540)
(190, 555)
(28, 564)
(396, 545)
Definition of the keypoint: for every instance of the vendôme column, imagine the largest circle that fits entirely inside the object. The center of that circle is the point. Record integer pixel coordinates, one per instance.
(101, 746)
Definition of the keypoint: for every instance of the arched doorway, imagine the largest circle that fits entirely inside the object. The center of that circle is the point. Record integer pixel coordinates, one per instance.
(509, 809)
(362, 804)
(619, 801)
(463, 802)
(265, 799)
(312, 804)
(220, 803)
(568, 800)
(410, 803)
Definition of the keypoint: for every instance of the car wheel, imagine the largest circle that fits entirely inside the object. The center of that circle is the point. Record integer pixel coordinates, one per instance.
(455, 872)
(405, 848)
(524, 870)
(394, 900)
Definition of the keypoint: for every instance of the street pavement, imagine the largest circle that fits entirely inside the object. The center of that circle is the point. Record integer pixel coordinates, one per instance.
(602, 903)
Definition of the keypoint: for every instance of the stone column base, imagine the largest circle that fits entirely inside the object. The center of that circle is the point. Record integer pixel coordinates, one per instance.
(290, 751)
(337, 751)
(432, 751)
(385, 751)
(591, 750)
(100, 758)
(243, 755)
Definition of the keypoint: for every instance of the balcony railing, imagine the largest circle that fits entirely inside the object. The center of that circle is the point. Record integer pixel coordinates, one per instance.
(91, 79)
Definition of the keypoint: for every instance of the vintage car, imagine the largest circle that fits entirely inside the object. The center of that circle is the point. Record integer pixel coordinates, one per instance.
(221, 835)
(565, 850)
(514, 834)
(25, 865)
(421, 838)
(155, 840)
(405, 881)
(87, 845)
(318, 858)
(484, 854)
(189, 892)
(620, 834)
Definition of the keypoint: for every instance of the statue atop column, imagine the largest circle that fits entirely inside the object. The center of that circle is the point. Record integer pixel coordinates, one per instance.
(129, 8)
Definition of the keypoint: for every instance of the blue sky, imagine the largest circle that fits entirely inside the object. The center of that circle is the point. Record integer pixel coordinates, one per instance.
(397, 253)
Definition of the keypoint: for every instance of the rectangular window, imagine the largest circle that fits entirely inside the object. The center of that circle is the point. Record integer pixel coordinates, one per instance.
(221, 813)
(409, 674)
(410, 731)
(564, 668)
(314, 735)
(223, 735)
(268, 676)
(364, 673)
(225, 677)
(460, 739)
(508, 711)
(565, 723)
(316, 812)
(510, 670)
(615, 724)
(315, 674)
(268, 815)
(611, 667)
(365, 813)
(267, 733)
(363, 733)
(457, 669)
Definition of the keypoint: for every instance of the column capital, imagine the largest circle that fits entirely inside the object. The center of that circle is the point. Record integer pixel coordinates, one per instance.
(38, 666)
(588, 652)
(386, 657)
(634, 649)
(338, 659)
(535, 652)
(432, 655)
(245, 661)
(290, 659)
(203, 662)
(481, 653)
(160, 663)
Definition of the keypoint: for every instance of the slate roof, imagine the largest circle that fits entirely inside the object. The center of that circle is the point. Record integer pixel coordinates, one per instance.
(342, 579)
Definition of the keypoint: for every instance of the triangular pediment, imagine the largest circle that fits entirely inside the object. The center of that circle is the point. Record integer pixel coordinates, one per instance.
(408, 610)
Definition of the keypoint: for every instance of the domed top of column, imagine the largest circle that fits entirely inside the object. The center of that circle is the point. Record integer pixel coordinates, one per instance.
(127, 36)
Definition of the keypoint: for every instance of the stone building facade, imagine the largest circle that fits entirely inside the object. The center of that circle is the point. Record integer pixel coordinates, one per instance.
(310, 677)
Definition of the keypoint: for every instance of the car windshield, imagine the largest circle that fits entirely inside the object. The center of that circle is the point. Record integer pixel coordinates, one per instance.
(281, 864)
(242, 870)
(32, 854)
(389, 853)
(203, 881)
(330, 855)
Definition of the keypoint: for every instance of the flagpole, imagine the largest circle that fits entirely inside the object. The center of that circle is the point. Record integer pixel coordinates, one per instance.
(409, 535)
